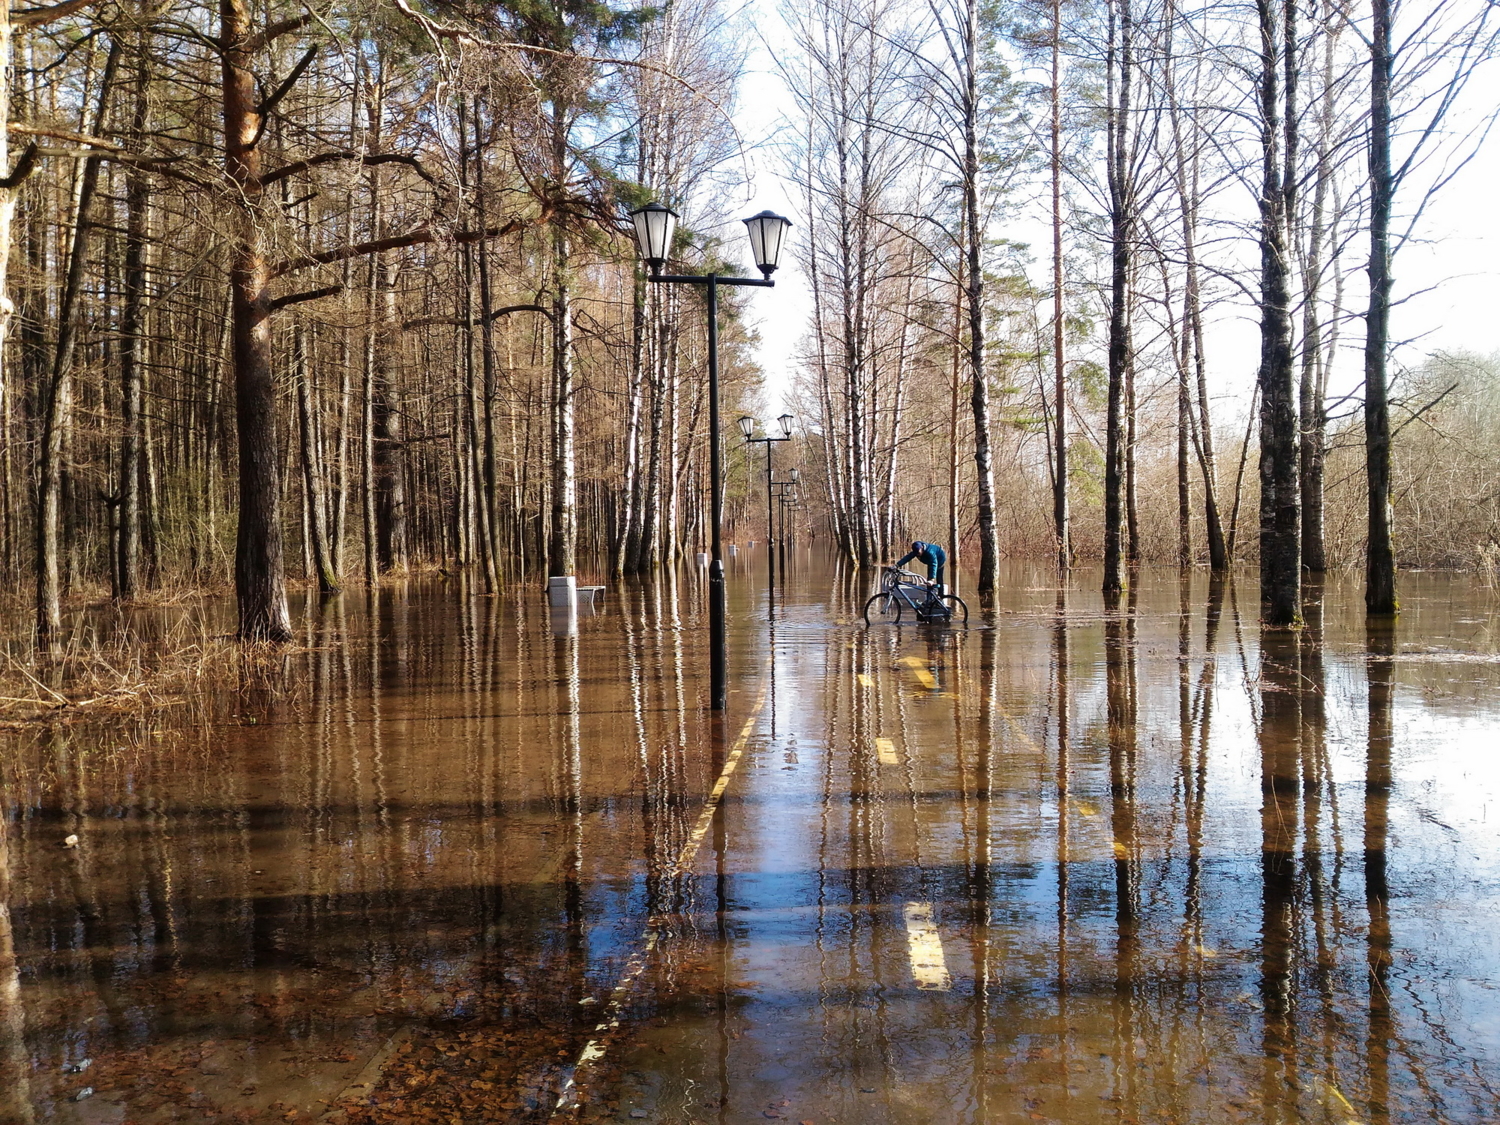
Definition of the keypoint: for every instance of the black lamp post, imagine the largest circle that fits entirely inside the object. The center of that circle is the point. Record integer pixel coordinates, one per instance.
(747, 427)
(654, 228)
(786, 495)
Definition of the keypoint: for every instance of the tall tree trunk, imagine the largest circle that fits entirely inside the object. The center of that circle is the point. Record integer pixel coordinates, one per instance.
(1380, 550)
(1060, 528)
(1184, 489)
(259, 568)
(1186, 173)
(955, 399)
(562, 550)
(626, 546)
(1280, 499)
(58, 403)
(1313, 391)
(979, 392)
(388, 429)
(1122, 233)
(313, 483)
(489, 478)
(11, 179)
(1132, 445)
(132, 340)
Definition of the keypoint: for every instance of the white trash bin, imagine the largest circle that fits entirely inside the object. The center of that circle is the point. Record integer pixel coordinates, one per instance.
(562, 591)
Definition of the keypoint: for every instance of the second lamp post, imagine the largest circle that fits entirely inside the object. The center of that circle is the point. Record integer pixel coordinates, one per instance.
(654, 228)
(747, 427)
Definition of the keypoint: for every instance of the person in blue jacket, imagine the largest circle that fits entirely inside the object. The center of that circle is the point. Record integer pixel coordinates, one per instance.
(931, 554)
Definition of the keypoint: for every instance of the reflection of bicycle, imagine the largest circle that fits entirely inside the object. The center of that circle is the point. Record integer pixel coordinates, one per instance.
(901, 591)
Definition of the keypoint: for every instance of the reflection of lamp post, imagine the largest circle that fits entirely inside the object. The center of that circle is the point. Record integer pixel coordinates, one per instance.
(654, 228)
(747, 427)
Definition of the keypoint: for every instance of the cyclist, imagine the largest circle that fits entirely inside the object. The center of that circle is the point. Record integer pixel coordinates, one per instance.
(932, 555)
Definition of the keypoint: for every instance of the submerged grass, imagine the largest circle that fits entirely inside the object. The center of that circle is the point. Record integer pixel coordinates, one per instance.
(128, 663)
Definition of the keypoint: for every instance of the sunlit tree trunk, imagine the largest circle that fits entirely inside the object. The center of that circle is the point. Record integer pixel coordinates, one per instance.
(1119, 70)
(562, 550)
(1380, 550)
(259, 569)
(58, 394)
(1280, 500)
(1060, 405)
(133, 340)
(979, 390)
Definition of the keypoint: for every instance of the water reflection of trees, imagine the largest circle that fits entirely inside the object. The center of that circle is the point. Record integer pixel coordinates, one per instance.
(371, 845)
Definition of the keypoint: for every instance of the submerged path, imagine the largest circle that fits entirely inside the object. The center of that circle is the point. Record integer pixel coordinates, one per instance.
(465, 863)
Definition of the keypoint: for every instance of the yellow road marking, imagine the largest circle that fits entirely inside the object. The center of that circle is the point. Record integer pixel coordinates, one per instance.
(1336, 1101)
(918, 668)
(887, 751)
(865, 680)
(928, 966)
(593, 1050)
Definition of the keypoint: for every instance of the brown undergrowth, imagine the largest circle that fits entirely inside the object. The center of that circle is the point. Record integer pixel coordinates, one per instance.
(127, 665)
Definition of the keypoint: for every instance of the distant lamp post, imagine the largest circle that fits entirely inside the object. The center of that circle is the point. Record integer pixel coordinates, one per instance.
(747, 427)
(655, 226)
(786, 495)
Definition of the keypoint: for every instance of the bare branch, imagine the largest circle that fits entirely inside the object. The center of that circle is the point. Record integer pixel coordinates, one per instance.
(281, 91)
(369, 160)
(24, 167)
(309, 295)
(37, 17)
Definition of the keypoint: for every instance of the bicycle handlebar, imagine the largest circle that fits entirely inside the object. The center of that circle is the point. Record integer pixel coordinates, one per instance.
(889, 569)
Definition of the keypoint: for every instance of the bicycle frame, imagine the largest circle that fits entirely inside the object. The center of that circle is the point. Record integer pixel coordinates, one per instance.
(930, 600)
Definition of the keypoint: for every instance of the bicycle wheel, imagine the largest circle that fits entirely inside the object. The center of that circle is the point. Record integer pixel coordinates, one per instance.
(958, 612)
(882, 609)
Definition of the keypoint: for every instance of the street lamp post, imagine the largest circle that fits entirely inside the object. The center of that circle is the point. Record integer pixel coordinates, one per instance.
(747, 427)
(788, 495)
(786, 491)
(655, 226)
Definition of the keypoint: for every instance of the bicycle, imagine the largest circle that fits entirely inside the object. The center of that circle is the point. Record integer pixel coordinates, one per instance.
(902, 591)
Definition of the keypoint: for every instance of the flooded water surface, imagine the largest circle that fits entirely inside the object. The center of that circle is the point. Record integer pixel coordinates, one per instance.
(465, 860)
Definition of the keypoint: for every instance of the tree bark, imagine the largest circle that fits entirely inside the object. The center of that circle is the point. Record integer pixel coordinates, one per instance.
(132, 340)
(1122, 234)
(979, 391)
(388, 429)
(313, 482)
(1312, 392)
(259, 568)
(562, 549)
(58, 408)
(1060, 515)
(1380, 551)
(1280, 498)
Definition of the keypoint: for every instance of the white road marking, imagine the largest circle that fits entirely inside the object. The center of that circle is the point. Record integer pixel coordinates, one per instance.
(928, 966)
(887, 751)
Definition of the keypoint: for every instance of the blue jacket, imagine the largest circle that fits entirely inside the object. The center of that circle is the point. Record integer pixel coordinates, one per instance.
(930, 554)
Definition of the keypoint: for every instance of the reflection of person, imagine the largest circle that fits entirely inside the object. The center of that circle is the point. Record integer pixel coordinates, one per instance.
(931, 554)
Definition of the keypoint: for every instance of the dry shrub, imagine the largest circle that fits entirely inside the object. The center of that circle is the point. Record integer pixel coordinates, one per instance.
(126, 662)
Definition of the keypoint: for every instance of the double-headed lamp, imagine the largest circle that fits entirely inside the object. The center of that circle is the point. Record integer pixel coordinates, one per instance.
(747, 426)
(786, 421)
(654, 227)
(796, 475)
(767, 234)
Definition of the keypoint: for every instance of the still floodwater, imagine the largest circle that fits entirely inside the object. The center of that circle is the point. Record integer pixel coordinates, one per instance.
(1057, 867)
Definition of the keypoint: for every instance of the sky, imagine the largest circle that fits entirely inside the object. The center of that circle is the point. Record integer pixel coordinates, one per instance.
(1450, 275)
